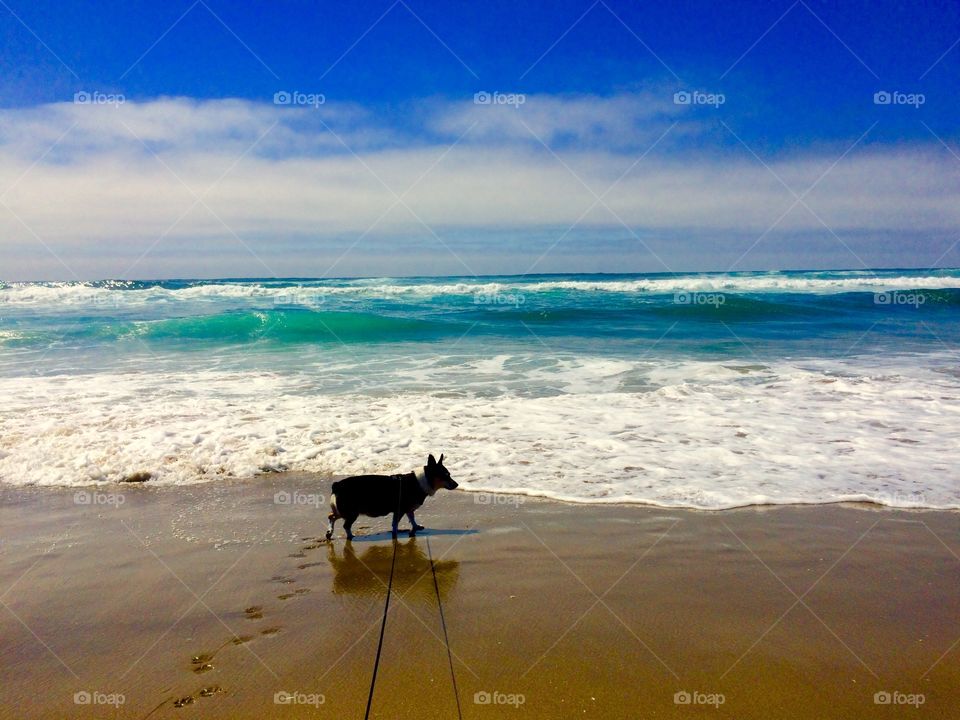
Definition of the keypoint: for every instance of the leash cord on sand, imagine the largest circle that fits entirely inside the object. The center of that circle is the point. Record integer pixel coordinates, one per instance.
(443, 623)
(383, 627)
(164, 702)
(383, 623)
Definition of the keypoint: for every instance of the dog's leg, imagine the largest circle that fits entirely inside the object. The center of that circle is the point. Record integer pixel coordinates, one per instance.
(413, 523)
(348, 524)
(396, 521)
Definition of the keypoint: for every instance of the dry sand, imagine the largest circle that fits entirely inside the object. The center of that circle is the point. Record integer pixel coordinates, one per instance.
(552, 610)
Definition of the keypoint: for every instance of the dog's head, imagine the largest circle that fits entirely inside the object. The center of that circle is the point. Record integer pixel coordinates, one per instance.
(437, 475)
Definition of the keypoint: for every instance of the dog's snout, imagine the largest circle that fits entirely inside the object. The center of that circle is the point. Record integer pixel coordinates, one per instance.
(452, 485)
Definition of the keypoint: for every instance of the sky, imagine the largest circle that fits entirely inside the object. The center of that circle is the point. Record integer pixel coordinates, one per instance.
(201, 138)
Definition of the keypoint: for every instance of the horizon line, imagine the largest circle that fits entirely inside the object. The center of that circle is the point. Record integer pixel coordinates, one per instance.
(291, 278)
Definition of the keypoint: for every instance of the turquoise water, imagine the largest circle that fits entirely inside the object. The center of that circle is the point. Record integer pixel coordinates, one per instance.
(700, 390)
(48, 327)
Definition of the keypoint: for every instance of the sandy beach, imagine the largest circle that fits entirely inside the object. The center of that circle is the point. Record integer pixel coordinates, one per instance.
(127, 601)
(661, 301)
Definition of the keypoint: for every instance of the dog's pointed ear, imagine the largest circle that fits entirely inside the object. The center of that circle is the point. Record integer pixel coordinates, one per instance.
(431, 461)
(440, 462)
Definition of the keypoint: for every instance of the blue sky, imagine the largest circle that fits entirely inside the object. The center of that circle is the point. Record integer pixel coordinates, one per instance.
(786, 102)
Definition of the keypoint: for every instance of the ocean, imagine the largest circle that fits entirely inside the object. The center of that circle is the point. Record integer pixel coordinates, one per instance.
(707, 391)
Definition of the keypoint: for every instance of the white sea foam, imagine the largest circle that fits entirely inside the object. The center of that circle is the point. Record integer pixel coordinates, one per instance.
(703, 434)
(84, 294)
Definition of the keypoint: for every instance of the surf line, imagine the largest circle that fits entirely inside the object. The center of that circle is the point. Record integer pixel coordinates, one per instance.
(443, 623)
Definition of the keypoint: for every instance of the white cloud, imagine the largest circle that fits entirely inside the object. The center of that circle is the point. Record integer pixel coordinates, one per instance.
(273, 173)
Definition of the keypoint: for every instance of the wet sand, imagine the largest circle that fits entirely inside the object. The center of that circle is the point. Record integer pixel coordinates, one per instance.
(222, 597)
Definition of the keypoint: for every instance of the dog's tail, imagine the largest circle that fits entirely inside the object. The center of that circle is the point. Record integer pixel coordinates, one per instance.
(333, 516)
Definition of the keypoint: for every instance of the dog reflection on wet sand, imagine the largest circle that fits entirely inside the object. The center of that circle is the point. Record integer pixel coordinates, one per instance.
(368, 572)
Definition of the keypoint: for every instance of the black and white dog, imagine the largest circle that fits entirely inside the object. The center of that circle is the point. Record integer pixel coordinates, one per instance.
(379, 495)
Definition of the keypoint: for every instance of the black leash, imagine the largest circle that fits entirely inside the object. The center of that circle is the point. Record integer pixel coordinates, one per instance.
(383, 627)
(383, 623)
(443, 623)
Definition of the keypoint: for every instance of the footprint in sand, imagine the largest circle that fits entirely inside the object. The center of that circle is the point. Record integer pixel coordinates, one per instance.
(201, 662)
(298, 591)
(309, 565)
(206, 692)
